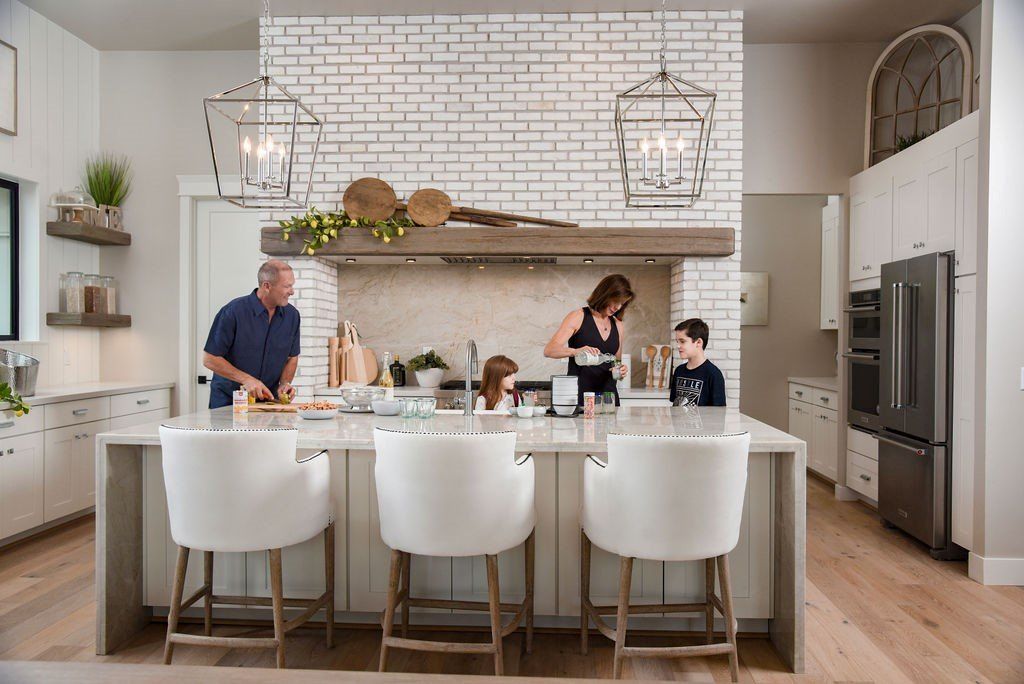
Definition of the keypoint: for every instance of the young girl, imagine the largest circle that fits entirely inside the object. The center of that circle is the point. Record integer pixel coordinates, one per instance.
(498, 386)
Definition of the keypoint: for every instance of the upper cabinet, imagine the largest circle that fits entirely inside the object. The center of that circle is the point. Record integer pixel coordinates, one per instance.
(921, 200)
(830, 265)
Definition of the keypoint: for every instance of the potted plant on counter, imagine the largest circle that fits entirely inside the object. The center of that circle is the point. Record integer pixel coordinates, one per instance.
(108, 178)
(429, 369)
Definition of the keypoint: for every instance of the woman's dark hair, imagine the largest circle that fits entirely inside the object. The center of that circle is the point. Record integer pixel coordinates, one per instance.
(612, 288)
(695, 329)
(496, 369)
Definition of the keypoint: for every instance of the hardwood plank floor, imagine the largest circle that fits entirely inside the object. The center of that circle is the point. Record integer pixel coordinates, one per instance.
(879, 609)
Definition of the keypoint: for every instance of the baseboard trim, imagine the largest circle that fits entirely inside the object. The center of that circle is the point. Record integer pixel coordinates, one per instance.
(995, 571)
(844, 493)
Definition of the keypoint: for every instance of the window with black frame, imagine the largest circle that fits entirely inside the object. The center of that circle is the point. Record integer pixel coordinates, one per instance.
(8, 260)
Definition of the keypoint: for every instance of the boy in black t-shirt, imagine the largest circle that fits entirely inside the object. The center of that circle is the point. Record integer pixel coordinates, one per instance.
(698, 382)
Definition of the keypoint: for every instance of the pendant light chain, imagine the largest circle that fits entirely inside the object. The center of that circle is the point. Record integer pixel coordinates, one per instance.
(265, 38)
(663, 71)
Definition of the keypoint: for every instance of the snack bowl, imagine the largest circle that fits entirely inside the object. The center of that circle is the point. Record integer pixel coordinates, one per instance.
(539, 411)
(383, 407)
(361, 397)
(565, 409)
(317, 410)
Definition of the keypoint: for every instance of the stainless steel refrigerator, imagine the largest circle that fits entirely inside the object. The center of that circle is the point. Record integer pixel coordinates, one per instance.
(915, 400)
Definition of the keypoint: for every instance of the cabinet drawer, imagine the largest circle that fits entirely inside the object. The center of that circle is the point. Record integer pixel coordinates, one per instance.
(862, 443)
(862, 474)
(118, 422)
(800, 392)
(75, 412)
(137, 402)
(10, 426)
(824, 398)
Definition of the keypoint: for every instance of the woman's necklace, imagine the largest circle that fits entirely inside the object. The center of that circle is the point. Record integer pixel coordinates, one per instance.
(603, 325)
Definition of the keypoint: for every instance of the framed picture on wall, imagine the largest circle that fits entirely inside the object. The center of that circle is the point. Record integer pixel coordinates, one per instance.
(8, 89)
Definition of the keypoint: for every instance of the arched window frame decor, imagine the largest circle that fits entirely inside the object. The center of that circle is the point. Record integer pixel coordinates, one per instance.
(967, 77)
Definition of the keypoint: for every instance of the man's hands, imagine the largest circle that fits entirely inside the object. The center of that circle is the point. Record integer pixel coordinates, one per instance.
(286, 390)
(258, 389)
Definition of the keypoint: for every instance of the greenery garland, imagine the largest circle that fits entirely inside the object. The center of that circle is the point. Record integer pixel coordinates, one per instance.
(324, 227)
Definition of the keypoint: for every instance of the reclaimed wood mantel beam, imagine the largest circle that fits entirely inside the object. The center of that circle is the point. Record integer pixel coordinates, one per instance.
(534, 241)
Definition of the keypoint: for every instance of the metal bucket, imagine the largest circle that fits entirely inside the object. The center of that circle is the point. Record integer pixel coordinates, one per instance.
(19, 371)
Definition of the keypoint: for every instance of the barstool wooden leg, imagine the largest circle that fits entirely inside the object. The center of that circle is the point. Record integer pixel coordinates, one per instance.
(709, 607)
(175, 609)
(406, 582)
(208, 601)
(277, 603)
(329, 581)
(730, 621)
(494, 598)
(531, 544)
(584, 590)
(389, 607)
(625, 581)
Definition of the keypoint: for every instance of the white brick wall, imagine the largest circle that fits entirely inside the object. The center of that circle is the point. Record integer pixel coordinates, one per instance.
(513, 111)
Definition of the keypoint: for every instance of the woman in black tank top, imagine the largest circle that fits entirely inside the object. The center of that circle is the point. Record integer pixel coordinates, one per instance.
(596, 328)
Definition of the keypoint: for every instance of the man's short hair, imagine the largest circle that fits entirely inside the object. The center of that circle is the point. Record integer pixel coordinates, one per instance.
(270, 271)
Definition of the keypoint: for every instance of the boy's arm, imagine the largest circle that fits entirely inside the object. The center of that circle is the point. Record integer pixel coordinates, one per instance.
(718, 389)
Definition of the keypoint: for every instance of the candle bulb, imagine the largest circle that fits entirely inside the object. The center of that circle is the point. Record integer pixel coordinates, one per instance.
(661, 161)
(679, 156)
(270, 160)
(645, 148)
(261, 158)
(280, 155)
(247, 148)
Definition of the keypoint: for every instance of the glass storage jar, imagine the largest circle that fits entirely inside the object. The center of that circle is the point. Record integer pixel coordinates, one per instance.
(95, 296)
(75, 292)
(109, 284)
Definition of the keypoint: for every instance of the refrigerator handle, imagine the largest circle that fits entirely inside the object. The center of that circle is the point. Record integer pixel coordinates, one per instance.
(896, 372)
(910, 346)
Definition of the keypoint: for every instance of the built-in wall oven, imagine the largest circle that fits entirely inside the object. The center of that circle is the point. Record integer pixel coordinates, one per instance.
(863, 342)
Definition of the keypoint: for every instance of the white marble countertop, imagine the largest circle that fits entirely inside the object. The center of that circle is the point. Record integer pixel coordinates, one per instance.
(88, 390)
(830, 383)
(417, 391)
(349, 431)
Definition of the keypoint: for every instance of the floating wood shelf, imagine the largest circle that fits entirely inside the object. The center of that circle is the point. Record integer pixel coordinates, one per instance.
(92, 320)
(87, 232)
(535, 241)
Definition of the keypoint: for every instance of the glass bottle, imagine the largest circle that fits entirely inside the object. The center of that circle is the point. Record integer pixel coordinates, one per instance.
(398, 372)
(386, 380)
(583, 358)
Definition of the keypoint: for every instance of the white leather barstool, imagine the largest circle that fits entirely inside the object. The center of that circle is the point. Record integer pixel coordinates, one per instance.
(667, 498)
(454, 494)
(239, 490)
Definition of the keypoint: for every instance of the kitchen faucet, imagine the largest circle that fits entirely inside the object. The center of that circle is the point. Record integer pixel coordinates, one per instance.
(471, 368)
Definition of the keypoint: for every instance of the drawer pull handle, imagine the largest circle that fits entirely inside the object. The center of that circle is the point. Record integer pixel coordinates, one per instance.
(866, 478)
(798, 393)
(824, 399)
(7, 424)
(80, 412)
(142, 402)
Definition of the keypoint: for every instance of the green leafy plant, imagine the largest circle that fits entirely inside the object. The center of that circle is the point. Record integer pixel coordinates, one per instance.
(903, 142)
(324, 227)
(426, 362)
(108, 178)
(17, 404)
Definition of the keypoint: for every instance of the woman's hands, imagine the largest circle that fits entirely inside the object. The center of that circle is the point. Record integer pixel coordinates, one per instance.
(623, 370)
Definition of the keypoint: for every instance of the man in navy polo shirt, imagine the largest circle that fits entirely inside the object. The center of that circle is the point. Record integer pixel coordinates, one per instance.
(254, 340)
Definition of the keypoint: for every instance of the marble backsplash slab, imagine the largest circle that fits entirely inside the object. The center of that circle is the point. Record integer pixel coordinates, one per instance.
(507, 310)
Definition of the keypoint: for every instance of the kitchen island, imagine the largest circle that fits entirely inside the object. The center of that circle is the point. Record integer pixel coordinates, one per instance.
(135, 554)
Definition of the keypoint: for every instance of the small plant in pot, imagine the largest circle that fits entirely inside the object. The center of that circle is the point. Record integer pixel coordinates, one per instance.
(108, 178)
(429, 369)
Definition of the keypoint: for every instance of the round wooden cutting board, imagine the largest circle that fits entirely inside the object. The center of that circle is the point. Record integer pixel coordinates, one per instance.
(369, 198)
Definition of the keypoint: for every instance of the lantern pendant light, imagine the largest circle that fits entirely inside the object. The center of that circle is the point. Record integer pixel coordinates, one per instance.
(263, 139)
(663, 126)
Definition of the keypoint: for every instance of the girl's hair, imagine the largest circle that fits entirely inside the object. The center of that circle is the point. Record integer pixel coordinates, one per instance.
(496, 369)
(615, 288)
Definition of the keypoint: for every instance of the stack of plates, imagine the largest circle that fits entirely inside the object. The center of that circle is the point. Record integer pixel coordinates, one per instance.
(564, 390)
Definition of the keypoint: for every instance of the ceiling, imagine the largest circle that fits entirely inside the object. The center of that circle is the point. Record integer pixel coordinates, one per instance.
(232, 24)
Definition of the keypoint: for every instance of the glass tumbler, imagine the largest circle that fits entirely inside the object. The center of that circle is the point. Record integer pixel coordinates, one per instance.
(410, 407)
(609, 402)
(426, 407)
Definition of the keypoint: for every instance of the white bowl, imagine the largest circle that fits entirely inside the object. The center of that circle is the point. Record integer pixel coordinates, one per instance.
(317, 414)
(565, 410)
(539, 410)
(383, 407)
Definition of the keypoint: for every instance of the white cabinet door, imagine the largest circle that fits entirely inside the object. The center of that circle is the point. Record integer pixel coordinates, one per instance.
(880, 221)
(861, 235)
(940, 204)
(21, 483)
(800, 425)
(909, 227)
(83, 463)
(59, 474)
(825, 438)
(967, 208)
(830, 274)
(965, 312)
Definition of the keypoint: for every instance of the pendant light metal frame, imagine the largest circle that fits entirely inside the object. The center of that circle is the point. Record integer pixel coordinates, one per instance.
(277, 108)
(696, 108)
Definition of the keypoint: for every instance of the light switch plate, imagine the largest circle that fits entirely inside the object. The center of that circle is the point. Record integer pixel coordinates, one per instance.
(1022, 379)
